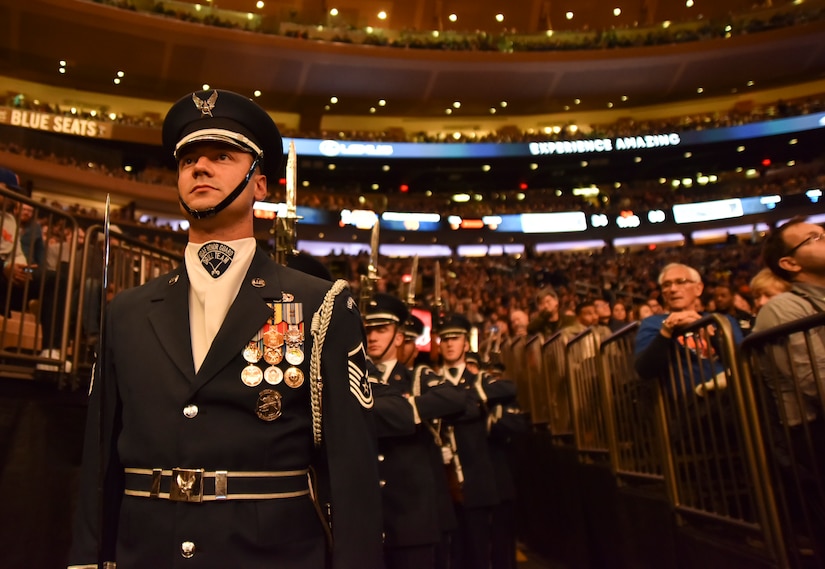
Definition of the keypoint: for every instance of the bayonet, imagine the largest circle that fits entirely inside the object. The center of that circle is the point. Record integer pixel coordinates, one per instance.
(370, 280)
(285, 225)
(413, 279)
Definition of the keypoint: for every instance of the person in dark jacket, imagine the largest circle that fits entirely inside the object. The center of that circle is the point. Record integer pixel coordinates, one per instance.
(230, 418)
(409, 483)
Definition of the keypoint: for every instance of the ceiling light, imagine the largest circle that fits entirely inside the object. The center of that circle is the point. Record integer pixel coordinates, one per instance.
(457, 104)
(499, 18)
(448, 111)
(256, 93)
(617, 11)
(333, 12)
(485, 168)
(259, 4)
(382, 103)
(700, 90)
(372, 110)
(331, 166)
(492, 110)
(382, 15)
(333, 100)
(689, 3)
(205, 87)
(452, 18)
(569, 15)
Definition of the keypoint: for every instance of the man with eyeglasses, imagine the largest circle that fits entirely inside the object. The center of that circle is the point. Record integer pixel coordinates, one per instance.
(681, 289)
(795, 252)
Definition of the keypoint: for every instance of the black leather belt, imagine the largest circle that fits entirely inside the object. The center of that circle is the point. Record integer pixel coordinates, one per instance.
(198, 485)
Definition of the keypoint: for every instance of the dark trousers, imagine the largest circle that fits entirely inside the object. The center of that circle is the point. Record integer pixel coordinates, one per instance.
(443, 550)
(413, 557)
(471, 549)
(504, 536)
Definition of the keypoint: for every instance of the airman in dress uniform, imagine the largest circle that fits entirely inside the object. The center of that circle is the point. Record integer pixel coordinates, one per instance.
(473, 473)
(229, 419)
(405, 445)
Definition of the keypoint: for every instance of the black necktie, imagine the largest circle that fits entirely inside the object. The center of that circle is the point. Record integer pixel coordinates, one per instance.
(453, 371)
(215, 258)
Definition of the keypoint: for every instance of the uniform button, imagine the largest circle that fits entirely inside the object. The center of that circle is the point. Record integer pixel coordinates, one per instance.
(382, 483)
(187, 549)
(380, 458)
(190, 412)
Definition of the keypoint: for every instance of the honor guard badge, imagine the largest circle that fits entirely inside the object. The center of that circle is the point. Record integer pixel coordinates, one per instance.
(216, 258)
(359, 384)
(268, 407)
(205, 107)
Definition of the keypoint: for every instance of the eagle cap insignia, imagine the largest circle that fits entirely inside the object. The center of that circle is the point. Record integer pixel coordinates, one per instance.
(205, 107)
(287, 297)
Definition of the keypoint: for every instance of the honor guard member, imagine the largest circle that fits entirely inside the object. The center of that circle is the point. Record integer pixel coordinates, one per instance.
(405, 446)
(229, 386)
(471, 471)
(505, 423)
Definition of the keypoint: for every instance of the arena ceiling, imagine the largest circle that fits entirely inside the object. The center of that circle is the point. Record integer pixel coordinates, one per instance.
(164, 57)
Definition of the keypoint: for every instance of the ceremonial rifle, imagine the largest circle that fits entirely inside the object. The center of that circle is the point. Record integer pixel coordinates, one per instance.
(285, 225)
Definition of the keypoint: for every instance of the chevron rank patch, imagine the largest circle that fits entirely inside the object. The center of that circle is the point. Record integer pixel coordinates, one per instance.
(359, 384)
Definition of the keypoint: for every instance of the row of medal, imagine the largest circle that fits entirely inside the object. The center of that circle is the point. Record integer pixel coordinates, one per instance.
(281, 338)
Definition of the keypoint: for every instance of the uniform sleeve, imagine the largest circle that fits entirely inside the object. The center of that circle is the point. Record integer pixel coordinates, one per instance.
(440, 401)
(85, 531)
(498, 391)
(394, 415)
(349, 442)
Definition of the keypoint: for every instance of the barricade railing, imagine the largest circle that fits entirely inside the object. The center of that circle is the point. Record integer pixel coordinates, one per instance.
(785, 365)
(512, 353)
(630, 411)
(38, 253)
(712, 460)
(535, 380)
(586, 398)
(558, 389)
(131, 263)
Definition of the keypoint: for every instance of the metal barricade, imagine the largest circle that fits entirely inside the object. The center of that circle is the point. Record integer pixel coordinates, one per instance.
(512, 352)
(558, 389)
(535, 380)
(712, 467)
(38, 251)
(586, 397)
(630, 408)
(785, 366)
(131, 263)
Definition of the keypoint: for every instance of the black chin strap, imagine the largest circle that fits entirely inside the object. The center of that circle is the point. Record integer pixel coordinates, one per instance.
(213, 211)
(390, 344)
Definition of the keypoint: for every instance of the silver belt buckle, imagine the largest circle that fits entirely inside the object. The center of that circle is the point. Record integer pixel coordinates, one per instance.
(187, 485)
